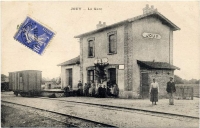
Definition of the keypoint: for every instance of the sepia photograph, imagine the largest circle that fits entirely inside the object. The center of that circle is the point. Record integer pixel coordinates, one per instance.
(100, 64)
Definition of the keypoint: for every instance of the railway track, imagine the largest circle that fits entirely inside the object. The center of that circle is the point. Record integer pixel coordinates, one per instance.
(134, 110)
(103, 115)
(69, 120)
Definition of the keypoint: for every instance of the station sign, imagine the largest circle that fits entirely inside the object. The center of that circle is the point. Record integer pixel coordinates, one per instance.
(121, 67)
(151, 35)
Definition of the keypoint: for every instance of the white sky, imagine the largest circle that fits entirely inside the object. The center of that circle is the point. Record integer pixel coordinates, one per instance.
(67, 24)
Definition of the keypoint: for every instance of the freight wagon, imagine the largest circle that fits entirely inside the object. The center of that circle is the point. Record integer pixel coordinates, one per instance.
(25, 83)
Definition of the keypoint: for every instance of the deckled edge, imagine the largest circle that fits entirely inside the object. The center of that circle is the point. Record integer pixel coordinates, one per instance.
(46, 26)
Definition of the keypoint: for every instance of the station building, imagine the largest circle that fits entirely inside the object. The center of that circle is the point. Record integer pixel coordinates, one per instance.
(132, 52)
(70, 72)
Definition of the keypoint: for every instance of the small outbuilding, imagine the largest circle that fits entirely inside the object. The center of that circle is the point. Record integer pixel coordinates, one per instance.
(70, 73)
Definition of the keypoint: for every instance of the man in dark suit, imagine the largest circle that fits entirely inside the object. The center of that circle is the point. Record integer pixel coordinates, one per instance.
(100, 91)
(80, 89)
(171, 89)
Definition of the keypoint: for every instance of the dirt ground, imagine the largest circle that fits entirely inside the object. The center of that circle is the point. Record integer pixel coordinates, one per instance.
(11, 117)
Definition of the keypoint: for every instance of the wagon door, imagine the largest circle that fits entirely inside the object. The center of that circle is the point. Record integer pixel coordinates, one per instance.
(20, 81)
(32, 80)
(10, 81)
(25, 81)
(38, 81)
(15, 84)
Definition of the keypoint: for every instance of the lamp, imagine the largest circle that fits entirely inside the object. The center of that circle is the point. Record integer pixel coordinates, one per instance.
(101, 62)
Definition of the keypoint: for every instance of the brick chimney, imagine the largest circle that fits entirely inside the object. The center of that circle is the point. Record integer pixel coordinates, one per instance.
(100, 25)
(148, 9)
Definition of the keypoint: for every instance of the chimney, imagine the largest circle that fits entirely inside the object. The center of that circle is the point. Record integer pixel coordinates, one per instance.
(99, 25)
(104, 24)
(148, 9)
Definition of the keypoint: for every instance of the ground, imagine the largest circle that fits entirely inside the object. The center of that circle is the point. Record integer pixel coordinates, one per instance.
(113, 116)
(14, 117)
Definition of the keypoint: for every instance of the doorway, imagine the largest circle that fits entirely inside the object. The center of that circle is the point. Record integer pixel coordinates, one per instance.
(69, 77)
(145, 85)
(112, 75)
(49, 86)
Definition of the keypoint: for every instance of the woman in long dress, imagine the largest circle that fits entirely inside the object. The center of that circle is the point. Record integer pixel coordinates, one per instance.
(154, 90)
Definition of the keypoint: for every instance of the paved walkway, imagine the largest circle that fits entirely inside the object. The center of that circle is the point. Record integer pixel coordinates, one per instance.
(181, 107)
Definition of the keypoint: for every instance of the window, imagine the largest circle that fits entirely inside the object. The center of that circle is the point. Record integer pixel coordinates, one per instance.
(112, 42)
(91, 47)
(90, 75)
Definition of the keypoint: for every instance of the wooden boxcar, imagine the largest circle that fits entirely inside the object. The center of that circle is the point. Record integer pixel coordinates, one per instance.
(25, 83)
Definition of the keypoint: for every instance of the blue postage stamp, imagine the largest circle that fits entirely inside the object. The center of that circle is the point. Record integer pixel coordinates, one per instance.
(34, 35)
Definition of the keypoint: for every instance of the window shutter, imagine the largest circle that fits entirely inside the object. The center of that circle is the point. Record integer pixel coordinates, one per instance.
(88, 76)
(115, 43)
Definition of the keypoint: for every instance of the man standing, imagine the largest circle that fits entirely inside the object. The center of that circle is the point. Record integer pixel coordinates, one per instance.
(170, 90)
(86, 89)
(115, 91)
(80, 89)
(66, 91)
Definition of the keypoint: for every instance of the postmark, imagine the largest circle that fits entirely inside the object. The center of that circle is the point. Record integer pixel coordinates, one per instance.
(34, 35)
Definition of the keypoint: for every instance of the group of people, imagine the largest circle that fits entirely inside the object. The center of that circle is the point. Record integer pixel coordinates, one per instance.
(154, 90)
(98, 90)
(112, 90)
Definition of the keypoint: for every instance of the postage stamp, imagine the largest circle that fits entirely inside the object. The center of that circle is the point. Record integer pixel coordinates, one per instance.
(34, 35)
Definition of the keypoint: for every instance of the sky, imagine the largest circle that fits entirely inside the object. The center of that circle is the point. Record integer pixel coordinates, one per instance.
(67, 23)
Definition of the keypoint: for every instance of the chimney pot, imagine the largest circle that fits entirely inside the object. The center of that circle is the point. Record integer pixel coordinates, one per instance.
(101, 25)
(148, 9)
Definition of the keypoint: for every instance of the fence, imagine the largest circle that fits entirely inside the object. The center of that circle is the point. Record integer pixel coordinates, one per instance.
(187, 91)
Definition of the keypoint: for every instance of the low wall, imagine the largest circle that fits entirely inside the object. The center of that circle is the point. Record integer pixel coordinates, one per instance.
(54, 93)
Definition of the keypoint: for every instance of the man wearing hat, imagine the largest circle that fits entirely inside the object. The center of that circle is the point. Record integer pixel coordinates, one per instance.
(171, 89)
(80, 89)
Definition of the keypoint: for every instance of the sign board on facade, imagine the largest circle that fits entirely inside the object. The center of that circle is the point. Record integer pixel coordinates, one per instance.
(151, 35)
(121, 67)
(105, 60)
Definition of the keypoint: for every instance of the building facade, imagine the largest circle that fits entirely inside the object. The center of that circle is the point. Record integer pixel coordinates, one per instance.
(135, 51)
(70, 73)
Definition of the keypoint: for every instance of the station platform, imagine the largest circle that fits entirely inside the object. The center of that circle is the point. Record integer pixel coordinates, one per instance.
(180, 107)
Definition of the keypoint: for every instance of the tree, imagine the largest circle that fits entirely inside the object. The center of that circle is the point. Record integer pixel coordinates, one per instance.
(3, 77)
(197, 82)
(178, 80)
(59, 80)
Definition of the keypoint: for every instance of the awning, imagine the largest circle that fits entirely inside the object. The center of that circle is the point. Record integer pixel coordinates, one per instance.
(157, 65)
(90, 68)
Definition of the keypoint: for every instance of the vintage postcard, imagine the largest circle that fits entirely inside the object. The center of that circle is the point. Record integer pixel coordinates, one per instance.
(100, 64)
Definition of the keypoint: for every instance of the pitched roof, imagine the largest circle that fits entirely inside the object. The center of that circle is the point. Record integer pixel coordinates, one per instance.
(153, 13)
(157, 65)
(73, 61)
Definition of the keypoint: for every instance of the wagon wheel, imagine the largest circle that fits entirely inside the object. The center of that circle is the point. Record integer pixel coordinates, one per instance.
(23, 94)
(16, 93)
(28, 94)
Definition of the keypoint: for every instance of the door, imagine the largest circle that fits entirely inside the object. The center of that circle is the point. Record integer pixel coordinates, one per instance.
(112, 75)
(145, 86)
(70, 77)
(49, 86)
